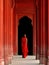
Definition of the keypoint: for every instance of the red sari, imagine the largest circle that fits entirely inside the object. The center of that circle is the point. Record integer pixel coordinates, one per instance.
(24, 47)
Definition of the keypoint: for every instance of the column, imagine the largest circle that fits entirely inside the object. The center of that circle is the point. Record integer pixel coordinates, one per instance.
(43, 34)
(14, 31)
(48, 32)
(37, 32)
(39, 28)
(8, 32)
(34, 33)
(1, 34)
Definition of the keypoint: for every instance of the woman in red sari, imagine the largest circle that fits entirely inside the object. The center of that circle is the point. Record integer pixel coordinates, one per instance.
(24, 46)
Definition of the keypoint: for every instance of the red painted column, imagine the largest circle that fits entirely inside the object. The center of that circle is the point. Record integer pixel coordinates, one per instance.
(48, 32)
(1, 34)
(37, 32)
(39, 28)
(8, 32)
(41, 43)
(14, 31)
(34, 33)
(43, 32)
(48, 25)
(17, 24)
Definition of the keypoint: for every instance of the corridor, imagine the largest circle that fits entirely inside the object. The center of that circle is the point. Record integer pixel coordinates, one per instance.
(24, 16)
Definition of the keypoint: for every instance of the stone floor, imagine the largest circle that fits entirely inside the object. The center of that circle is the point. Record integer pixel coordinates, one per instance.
(29, 60)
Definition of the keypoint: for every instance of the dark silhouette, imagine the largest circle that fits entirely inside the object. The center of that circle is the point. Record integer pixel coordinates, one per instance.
(25, 27)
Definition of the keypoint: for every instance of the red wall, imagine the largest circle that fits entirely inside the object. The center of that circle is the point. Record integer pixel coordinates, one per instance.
(26, 9)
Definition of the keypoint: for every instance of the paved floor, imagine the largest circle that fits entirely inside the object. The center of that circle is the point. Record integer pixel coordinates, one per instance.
(29, 60)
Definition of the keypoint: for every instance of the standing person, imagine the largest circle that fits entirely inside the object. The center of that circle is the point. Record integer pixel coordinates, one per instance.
(24, 46)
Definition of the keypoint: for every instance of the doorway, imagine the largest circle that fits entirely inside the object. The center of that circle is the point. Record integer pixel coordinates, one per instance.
(25, 27)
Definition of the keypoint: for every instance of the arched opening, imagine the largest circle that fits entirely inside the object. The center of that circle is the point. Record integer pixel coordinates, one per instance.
(25, 27)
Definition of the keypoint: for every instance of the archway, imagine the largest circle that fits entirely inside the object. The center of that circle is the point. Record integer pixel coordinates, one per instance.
(25, 27)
